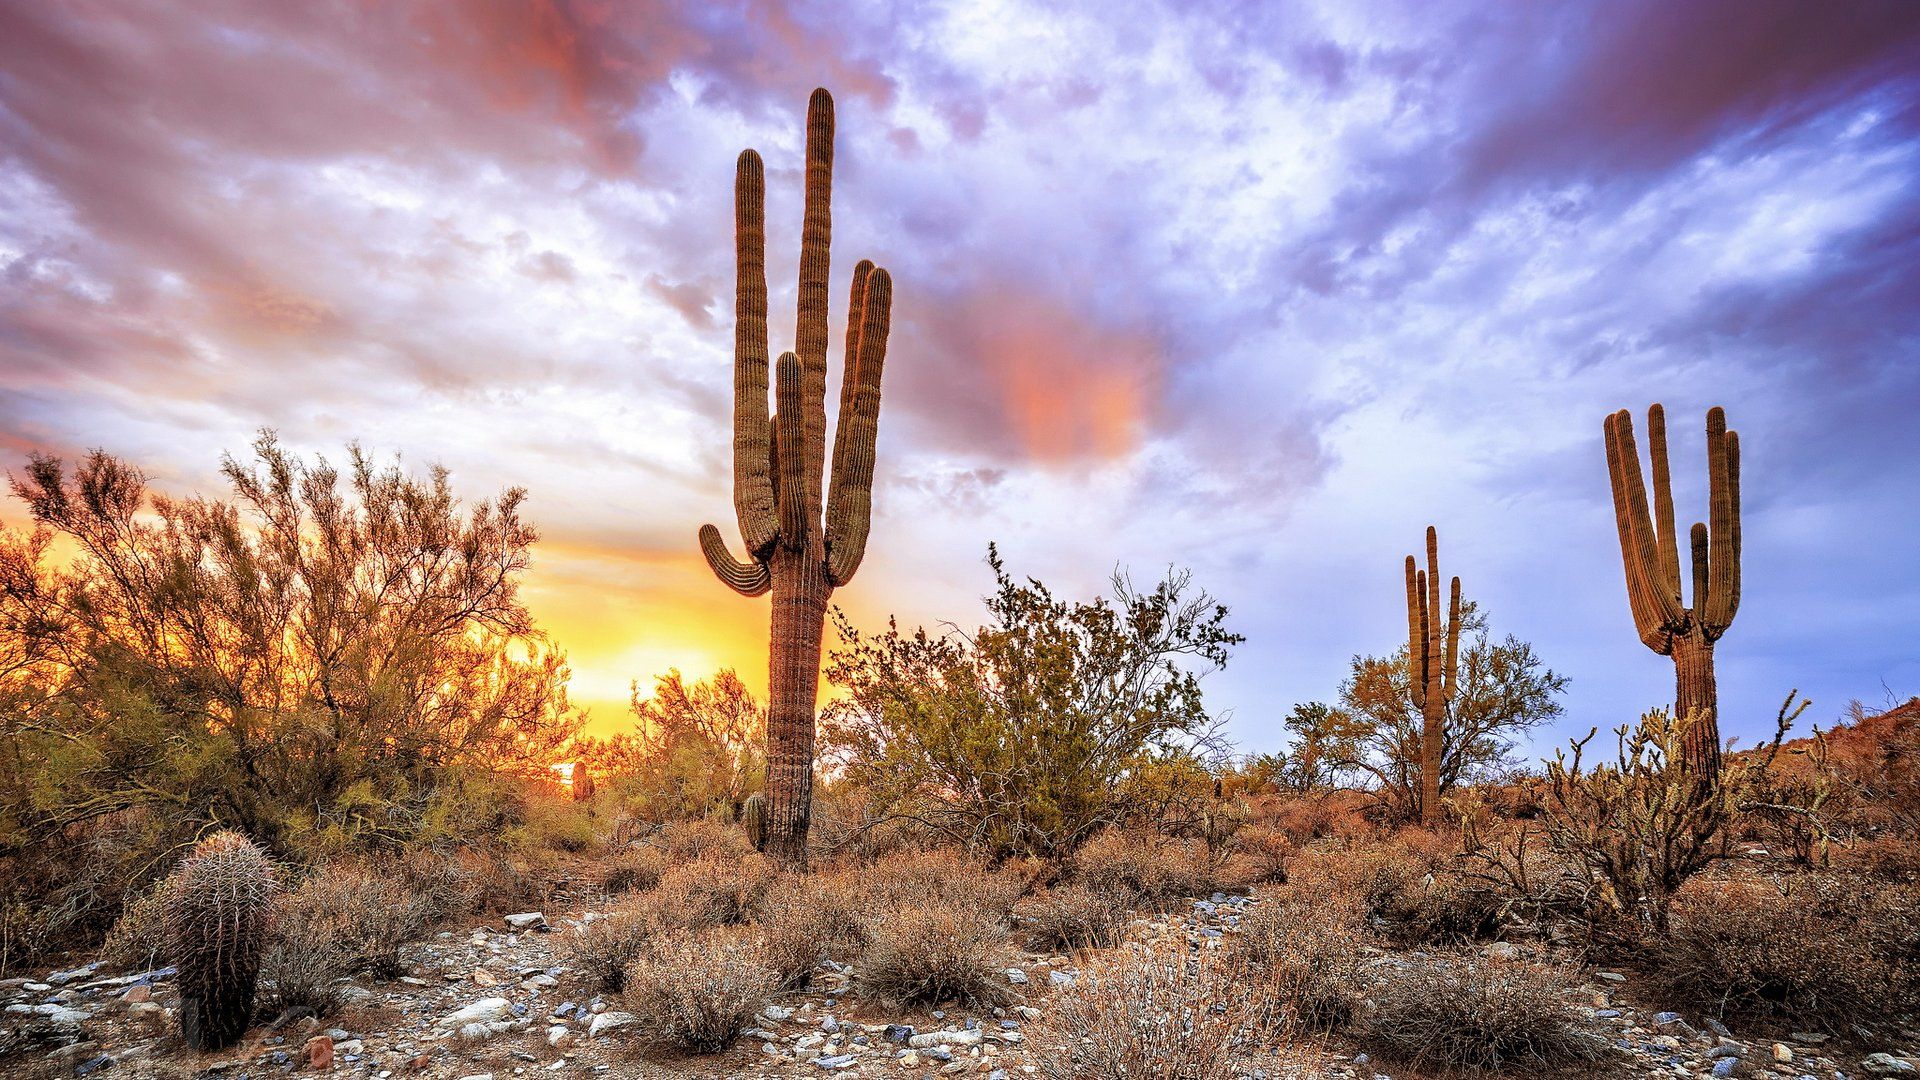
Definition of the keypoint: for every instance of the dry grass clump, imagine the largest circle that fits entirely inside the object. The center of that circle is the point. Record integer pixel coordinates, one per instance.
(343, 919)
(699, 989)
(1306, 960)
(938, 950)
(1071, 915)
(1146, 1014)
(447, 884)
(600, 949)
(1267, 851)
(1820, 950)
(1468, 1012)
(686, 841)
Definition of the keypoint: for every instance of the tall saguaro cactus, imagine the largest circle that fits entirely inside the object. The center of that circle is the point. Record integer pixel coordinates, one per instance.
(778, 465)
(1431, 668)
(1650, 549)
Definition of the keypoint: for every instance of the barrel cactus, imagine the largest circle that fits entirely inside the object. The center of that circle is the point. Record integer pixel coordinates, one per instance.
(753, 814)
(779, 463)
(215, 921)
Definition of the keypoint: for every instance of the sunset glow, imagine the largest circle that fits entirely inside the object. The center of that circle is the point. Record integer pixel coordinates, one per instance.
(1259, 292)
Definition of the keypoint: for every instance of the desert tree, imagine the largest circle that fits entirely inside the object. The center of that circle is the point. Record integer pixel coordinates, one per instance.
(1021, 737)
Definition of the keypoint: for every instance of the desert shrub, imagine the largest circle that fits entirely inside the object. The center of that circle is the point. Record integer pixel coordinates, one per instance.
(1146, 1014)
(712, 890)
(699, 989)
(548, 822)
(1019, 738)
(377, 913)
(1825, 950)
(804, 919)
(685, 841)
(1306, 960)
(600, 948)
(938, 950)
(1267, 851)
(911, 877)
(1467, 1012)
(135, 939)
(633, 868)
(444, 884)
(1152, 869)
(1071, 915)
(312, 949)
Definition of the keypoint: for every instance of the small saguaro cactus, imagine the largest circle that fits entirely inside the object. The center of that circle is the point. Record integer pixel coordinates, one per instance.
(753, 814)
(215, 919)
(1431, 669)
(778, 465)
(580, 780)
(1650, 549)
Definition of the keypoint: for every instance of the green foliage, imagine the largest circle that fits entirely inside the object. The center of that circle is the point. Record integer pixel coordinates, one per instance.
(1504, 691)
(324, 660)
(1323, 738)
(1021, 738)
(695, 750)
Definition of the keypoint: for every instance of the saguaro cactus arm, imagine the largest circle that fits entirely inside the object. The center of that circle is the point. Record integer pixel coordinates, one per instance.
(1723, 532)
(752, 478)
(746, 578)
(1648, 544)
(850, 497)
(810, 336)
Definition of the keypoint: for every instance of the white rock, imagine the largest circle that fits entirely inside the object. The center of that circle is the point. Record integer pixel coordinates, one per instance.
(479, 1012)
(559, 1037)
(609, 1021)
(945, 1038)
(527, 920)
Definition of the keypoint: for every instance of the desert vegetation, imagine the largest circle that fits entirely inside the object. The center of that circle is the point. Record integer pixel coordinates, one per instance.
(279, 775)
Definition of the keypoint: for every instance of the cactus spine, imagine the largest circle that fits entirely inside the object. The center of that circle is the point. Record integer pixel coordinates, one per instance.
(215, 923)
(1649, 547)
(778, 465)
(753, 813)
(1431, 668)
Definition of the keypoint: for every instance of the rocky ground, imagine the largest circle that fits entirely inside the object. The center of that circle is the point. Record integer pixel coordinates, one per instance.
(491, 1001)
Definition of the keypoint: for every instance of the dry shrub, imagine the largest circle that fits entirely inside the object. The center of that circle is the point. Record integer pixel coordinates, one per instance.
(343, 919)
(934, 874)
(633, 869)
(1319, 817)
(687, 841)
(601, 948)
(1071, 915)
(1306, 959)
(311, 951)
(1823, 950)
(447, 883)
(716, 889)
(1468, 1012)
(937, 950)
(802, 920)
(1146, 1013)
(133, 942)
(699, 990)
(1268, 851)
(1410, 885)
(1152, 869)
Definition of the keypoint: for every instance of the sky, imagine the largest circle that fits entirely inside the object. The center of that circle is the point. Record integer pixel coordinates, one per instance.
(1259, 290)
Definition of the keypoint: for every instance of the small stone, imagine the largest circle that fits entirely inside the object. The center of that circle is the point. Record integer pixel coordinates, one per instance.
(837, 1061)
(1060, 978)
(609, 1021)
(319, 1051)
(1782, 1053)
(1885, 1064)
(137, 993)
(910, 1059)
(1610, 976)
(559, 1036)
(1725, 1066)
(528, 920)
(1016, 977)
(483, 977)
(481, 1011)
(1808, 1038)
(1501, 950)
(92, 1065)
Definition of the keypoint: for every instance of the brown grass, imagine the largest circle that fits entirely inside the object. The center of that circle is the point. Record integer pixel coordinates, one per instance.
(1305, 958)
(601, 949)
(802, 920)
(1071, 915)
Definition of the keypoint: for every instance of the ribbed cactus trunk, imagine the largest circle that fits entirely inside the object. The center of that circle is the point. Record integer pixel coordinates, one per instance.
(1431, 668)
(800, 593)
(800, 545)
(1650, 553)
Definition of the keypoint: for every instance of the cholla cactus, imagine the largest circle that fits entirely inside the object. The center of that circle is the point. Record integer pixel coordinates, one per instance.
(216, 924)
(1431, 671)
(778, 466)
(1650, 550)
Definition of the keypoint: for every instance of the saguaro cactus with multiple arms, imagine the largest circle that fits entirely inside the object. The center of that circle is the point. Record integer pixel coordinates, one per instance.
(778, 466)
(1650, 549)
(1431, 667)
